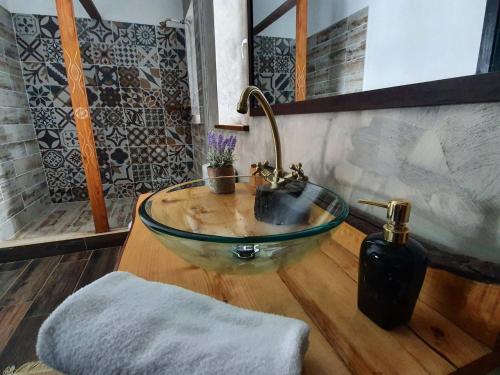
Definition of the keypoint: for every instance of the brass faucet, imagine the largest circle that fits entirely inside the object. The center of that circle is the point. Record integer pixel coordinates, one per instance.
(275, 176)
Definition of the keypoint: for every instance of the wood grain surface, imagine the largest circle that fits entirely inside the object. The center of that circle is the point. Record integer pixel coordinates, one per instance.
(321, 290)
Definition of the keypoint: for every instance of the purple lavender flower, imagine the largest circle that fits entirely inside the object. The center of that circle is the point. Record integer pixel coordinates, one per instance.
(220, 149)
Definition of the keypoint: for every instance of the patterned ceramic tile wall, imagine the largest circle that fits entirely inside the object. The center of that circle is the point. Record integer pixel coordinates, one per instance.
(23, 187)
(137, 86)
(336, 56)
(274, 68)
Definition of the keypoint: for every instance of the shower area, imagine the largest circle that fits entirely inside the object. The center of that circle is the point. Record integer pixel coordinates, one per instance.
(136, 80)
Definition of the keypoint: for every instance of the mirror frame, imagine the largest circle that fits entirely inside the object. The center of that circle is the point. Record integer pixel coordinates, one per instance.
(477, 88)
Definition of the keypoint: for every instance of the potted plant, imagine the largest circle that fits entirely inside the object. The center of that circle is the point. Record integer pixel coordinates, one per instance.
(220, 158)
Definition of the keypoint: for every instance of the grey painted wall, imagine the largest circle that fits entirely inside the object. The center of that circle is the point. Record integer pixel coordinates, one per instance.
(445, 160)
(23, 187)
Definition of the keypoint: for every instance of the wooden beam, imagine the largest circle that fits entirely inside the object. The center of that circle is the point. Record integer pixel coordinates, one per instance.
(275, 14)
(300, 50)
(74, 71)
(490, 24)
(91, 9)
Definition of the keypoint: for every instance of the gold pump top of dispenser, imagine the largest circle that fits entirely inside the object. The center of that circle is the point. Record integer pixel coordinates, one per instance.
(398, 215)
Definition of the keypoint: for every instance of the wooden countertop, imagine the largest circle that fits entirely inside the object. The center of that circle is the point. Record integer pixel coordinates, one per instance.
(455, 324)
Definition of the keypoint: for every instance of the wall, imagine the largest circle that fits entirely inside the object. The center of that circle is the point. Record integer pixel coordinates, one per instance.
(336, 57)
(133, 11)
(136, 79)
(445, 160)
(23, 187)
(231, 64)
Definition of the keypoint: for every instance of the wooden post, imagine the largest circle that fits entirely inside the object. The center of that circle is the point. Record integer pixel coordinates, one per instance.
(300, 50)
(74, 71)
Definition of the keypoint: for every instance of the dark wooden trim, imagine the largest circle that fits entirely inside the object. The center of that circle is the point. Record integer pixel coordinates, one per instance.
(91, 9)
(481, 88)
(53, 248)
(488, 37)
(275, 14)
(250, 37)
(238, 128)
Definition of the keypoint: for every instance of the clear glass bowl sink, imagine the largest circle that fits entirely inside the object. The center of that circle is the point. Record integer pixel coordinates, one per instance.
(243, 232)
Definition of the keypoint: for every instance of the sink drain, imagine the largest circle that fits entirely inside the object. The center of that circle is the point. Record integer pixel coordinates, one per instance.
(246, 251)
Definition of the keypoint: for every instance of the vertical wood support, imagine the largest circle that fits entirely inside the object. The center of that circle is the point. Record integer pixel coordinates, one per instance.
(300, 50)
(81, 111)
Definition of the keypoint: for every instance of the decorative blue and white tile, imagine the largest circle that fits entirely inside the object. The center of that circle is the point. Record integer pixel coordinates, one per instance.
(266, 63)
(143, 187)
(137, 136)
(49, 139)
(264, 81)
(99, 137)
(145, 35)
(264, 46)
(106, 75)
(76, 176)
(63, 118)
(61, 96)
(125, 55)
(150, 78)
(57, 178)
(116, 136)
(282, 82)
(61, 195)
(106, 175)
(102, 53)
(147, 56)
(110, 96)
(123, 190)
(135, 117)
(284, 46)
(176, 154)
(161, 184)
(30, 49)
(56, 74)
(44, 118)
(178, 171)
(90, 74)
(171, 98)
(34, 73)
(119, 156)
(282, 64)
(102, 155)
(107, 117)
(131, 97)
(189, 153)
(99, 31)
(139, 155)
(157, 137)
(52, 159)
(154, 117)
(80, 193)
(282, 97)
(167, 37)
(129, 76)
(39, 96)
(158, 154)
(73, 158)
(86, 53)
(26, 25)
(93, 96)
(160, 171)
(53, 50)
(141, 172)
(269, 96)
(49, 27)
(170, 81)
(173, 118)
(121, 174)
(152, 99)
(124, 33)
(180, 135)
(69, 138)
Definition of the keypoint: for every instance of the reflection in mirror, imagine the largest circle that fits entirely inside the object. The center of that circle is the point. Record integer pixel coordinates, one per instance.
(360, 45)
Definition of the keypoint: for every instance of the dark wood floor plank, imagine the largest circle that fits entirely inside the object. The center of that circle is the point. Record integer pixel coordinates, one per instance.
(10, 318)
(60, 285)
(26, 287)
(100, 263)
(80, 255)
(9, 272)
(21, 347)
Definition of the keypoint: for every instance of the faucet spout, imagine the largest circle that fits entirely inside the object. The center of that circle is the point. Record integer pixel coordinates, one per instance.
(243, 108)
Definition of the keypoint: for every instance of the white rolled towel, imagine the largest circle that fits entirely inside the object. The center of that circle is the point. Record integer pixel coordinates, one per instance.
(121, 324)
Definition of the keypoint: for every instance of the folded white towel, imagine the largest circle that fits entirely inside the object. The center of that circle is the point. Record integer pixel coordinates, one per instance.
(122, 324)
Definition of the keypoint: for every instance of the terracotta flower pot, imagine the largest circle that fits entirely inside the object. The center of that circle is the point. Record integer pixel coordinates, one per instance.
(221, 185)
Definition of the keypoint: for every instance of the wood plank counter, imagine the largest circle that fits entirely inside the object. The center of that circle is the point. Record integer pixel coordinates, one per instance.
(455, 324)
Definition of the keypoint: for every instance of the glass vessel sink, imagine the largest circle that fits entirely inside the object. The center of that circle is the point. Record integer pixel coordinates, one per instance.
(247, 231)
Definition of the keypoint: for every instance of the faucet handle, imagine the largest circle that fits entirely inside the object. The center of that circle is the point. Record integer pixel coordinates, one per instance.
(298, 172)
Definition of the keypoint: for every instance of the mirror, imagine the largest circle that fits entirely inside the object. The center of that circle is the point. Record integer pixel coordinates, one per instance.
(350, 46)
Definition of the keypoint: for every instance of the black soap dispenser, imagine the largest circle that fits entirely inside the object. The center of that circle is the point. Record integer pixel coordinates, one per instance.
(391, 269)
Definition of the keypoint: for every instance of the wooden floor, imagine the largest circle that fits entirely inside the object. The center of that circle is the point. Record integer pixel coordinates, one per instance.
(30, 290)
(76, 217)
